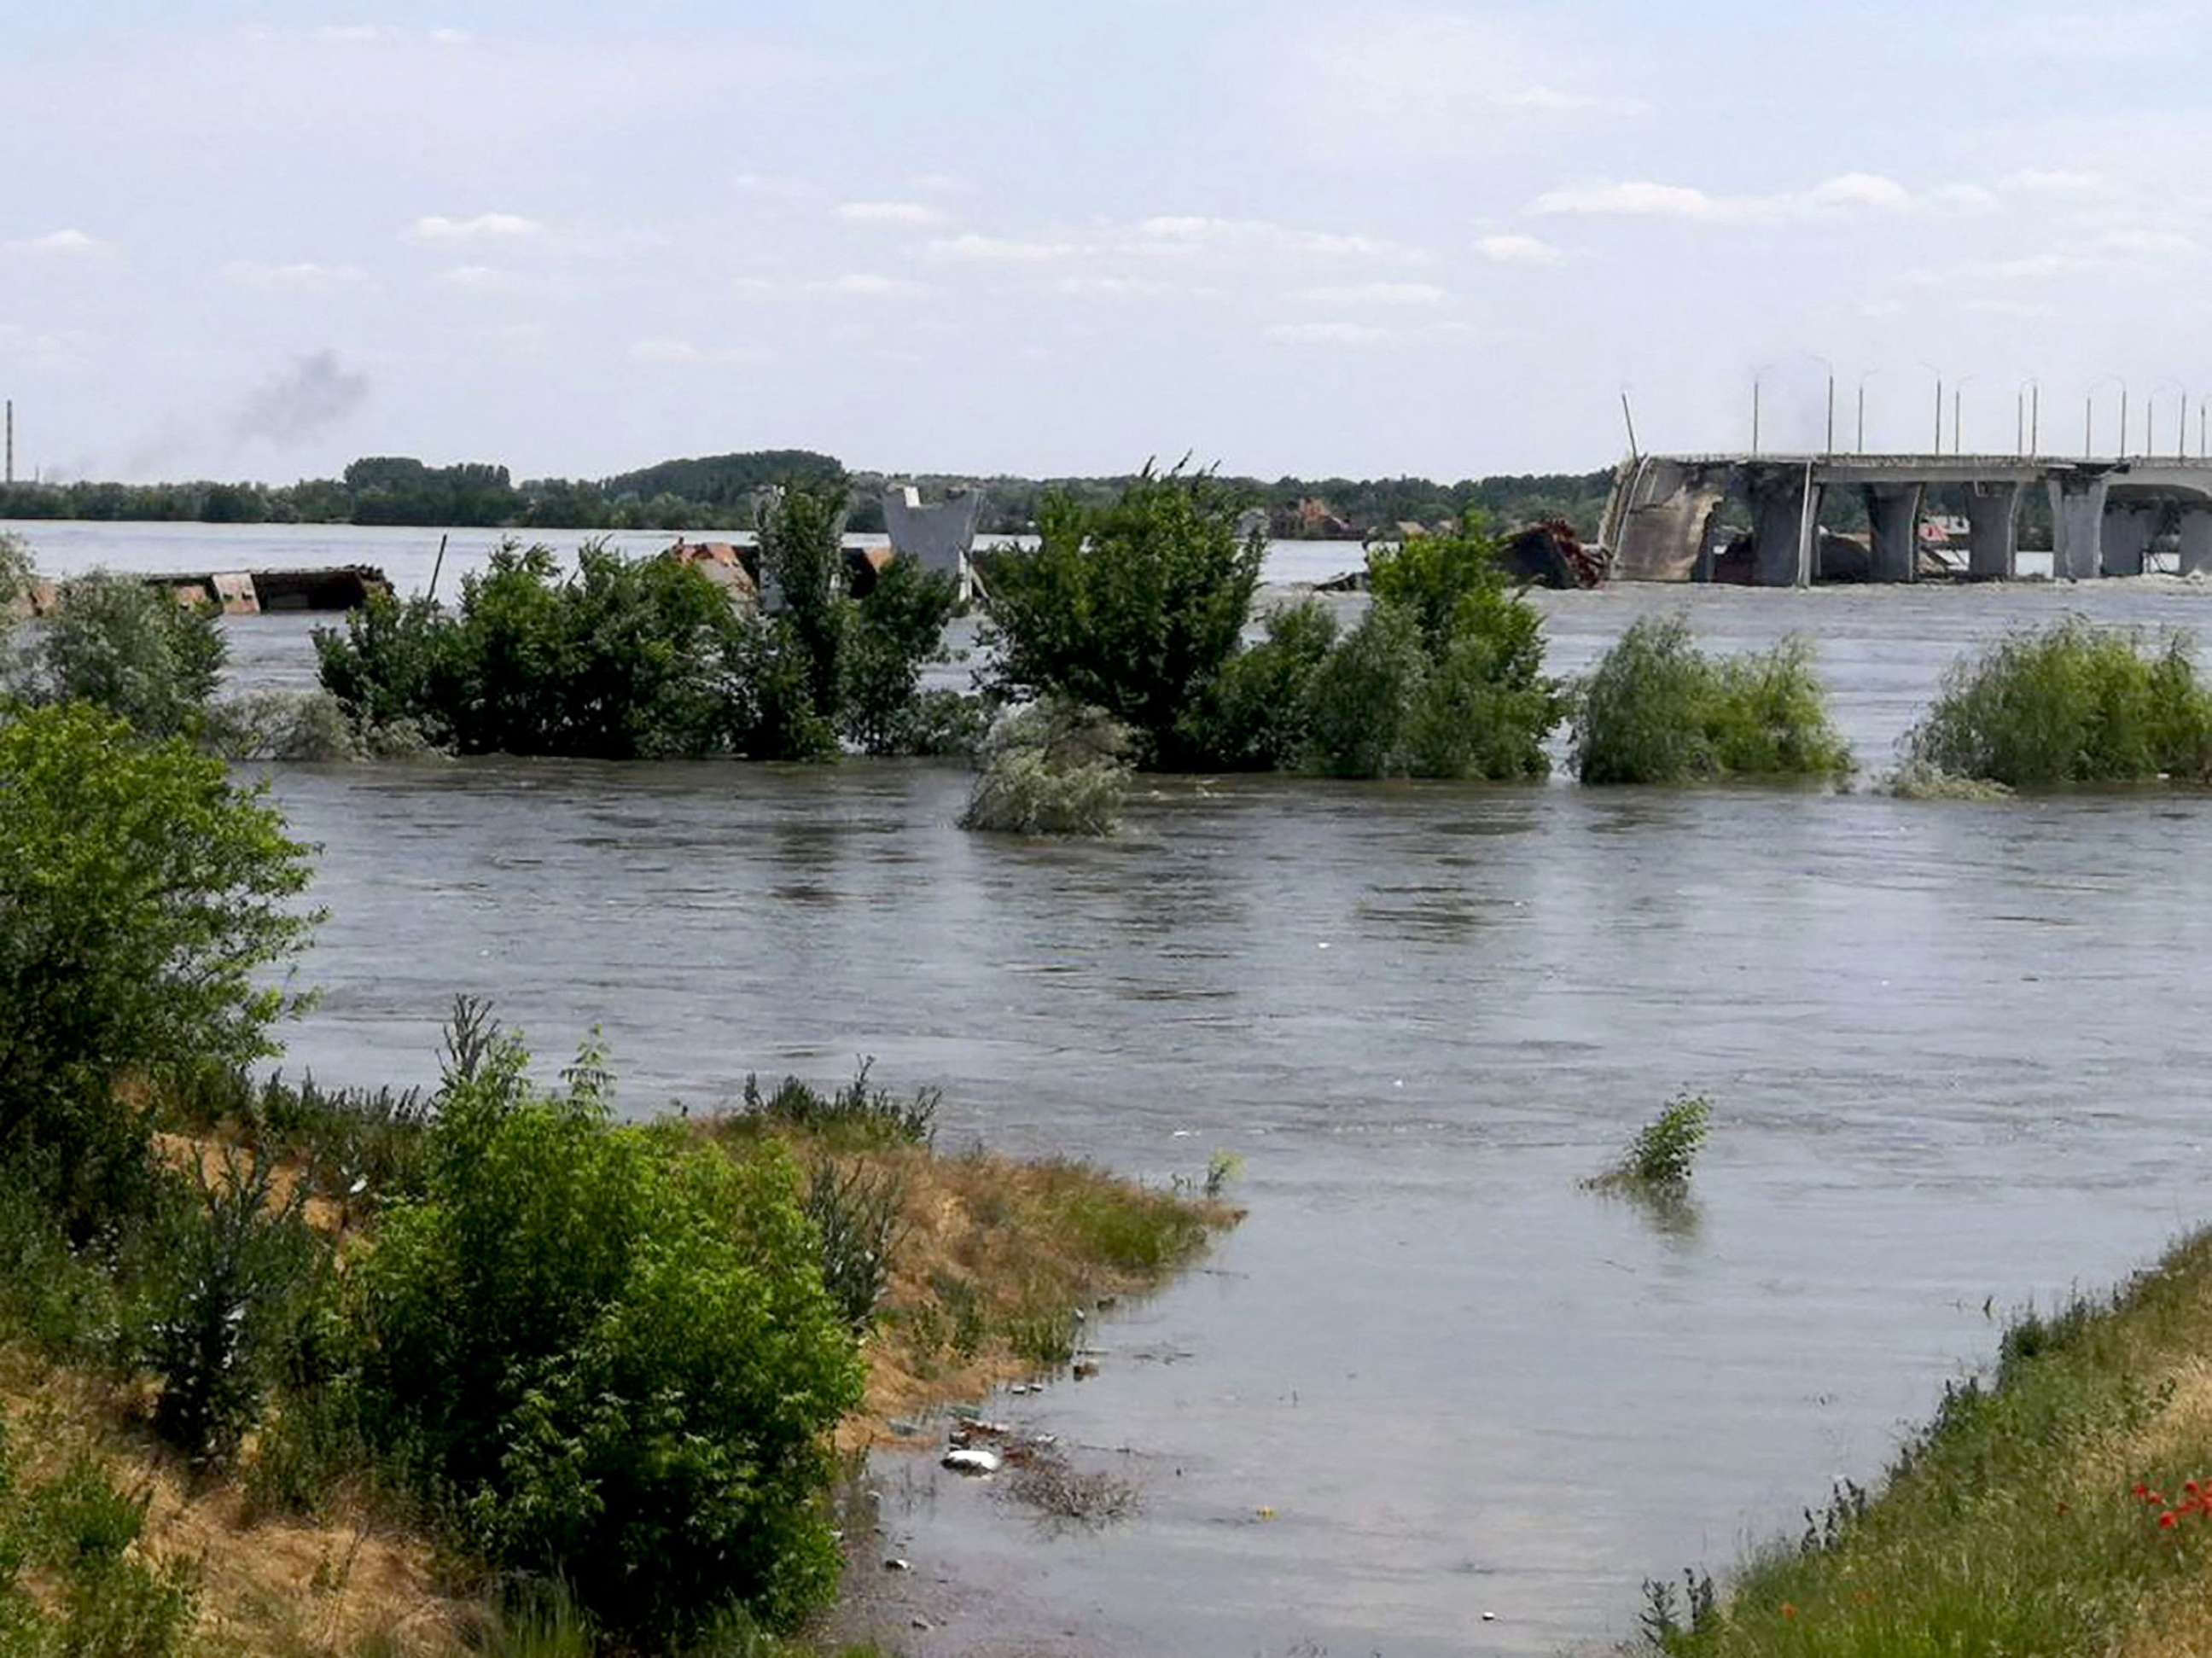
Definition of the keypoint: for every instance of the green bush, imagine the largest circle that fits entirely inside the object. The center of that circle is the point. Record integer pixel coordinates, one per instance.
(1258, 714)
(611, 1348)
(2071, 703)
(143, 901)
(1656, 709)
(896, 629)
(855, 1115)
(283, 725)
(1443, 677)
(1050, 769)
(235, 1260)
(1135, 607)
(1364, 695)
(129, 648)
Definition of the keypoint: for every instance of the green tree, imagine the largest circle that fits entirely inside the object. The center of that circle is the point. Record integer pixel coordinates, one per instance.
(143, 900)
(802, 551)
(611, 1348)
(1135, 607)
(895, 631)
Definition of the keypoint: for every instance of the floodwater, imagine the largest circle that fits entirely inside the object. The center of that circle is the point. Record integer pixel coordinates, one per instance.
(1954, 1049)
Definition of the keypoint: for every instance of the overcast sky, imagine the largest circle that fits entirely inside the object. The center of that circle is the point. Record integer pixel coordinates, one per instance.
(256, 240)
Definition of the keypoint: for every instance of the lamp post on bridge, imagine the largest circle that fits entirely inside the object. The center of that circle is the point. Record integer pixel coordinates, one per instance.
(1938, 373)
(1955, 447)
(2181, 424)
(1863, 378)
(2027, 416)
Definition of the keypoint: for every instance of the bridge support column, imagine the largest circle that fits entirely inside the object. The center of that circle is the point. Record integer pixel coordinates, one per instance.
(1993, 530)
(2196, 541)
(2077, 522)
(1784, 509)
(1893, 518)
(2125, 537)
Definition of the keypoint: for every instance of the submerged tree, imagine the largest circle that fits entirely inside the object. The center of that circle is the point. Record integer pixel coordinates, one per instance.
(1135, 607)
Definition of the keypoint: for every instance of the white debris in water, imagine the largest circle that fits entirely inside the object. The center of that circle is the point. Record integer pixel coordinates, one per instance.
(962, 1460)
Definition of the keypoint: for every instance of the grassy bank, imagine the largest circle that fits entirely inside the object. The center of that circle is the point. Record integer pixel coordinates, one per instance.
(972, 1269)
(2056, 1510)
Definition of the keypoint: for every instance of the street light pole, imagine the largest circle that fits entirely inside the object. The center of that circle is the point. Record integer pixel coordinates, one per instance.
(1754, 417)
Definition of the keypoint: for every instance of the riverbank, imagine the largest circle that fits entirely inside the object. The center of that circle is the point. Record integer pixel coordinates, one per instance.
(995, 1266)
(2063, 1508)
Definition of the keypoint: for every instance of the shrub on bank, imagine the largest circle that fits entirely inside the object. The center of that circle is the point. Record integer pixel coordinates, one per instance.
(1051, 768)
(143, 901)
(2071, 703)
(1656, 709)
(612, 1349)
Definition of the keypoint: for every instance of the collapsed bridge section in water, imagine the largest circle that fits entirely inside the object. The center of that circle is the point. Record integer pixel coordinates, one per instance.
(1664, 519)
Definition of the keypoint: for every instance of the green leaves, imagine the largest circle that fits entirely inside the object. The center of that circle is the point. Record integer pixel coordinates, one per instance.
(612, 1344)
(1134, 608)
(142, 899)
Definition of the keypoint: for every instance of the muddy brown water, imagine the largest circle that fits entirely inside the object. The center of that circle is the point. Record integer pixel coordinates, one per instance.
(1954, 1051)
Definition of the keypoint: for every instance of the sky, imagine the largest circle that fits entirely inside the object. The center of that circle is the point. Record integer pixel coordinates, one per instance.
(255, 241)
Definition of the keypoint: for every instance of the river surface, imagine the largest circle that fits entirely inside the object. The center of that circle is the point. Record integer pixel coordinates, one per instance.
(1955, 1053)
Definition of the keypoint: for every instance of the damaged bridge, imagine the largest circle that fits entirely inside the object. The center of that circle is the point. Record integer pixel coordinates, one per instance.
(1664, 518)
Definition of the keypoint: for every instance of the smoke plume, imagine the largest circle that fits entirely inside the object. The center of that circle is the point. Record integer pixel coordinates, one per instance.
(315, 393)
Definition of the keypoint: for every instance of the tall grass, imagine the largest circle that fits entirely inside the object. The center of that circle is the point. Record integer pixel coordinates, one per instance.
(1656, 709)
(2016, 1523)
(2071, 703)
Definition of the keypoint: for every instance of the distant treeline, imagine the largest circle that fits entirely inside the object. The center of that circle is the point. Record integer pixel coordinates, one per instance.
(719, 491)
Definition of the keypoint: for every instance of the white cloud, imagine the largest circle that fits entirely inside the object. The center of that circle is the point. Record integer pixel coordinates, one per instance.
(481, 279)
(1326, 333)
(1112, 287)
(485, 227)
(1564, 103)
(1188, 230)
(1846, 193)
(302, 275)
(66, 243)
(908, 213)
(667, 350)
(2052, 181)
(1505, 249)
(868, 284)
(1003, 249)
(1364, 294)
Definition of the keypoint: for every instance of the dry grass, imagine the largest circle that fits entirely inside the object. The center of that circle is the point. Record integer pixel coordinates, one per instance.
(267, 1584)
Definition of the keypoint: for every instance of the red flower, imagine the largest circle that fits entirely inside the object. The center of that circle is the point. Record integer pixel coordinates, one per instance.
(2167, 1520)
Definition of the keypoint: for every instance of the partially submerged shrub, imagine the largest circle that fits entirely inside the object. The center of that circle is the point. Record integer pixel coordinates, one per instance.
(129, 648)
(2071, 703)
(282, 726)
(1918, 780)
(611, 1349)
(1443, 677)
(1135, 607)
(1258, 714)
(1656, 709)
(1664, 1153)
(1051, 768)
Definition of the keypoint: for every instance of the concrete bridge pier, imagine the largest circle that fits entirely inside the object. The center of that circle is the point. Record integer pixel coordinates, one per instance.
(2077, 522)
(1993, 530)
(2196, 541)
(2125, 540)
(1784, 509)
(1892, 513)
